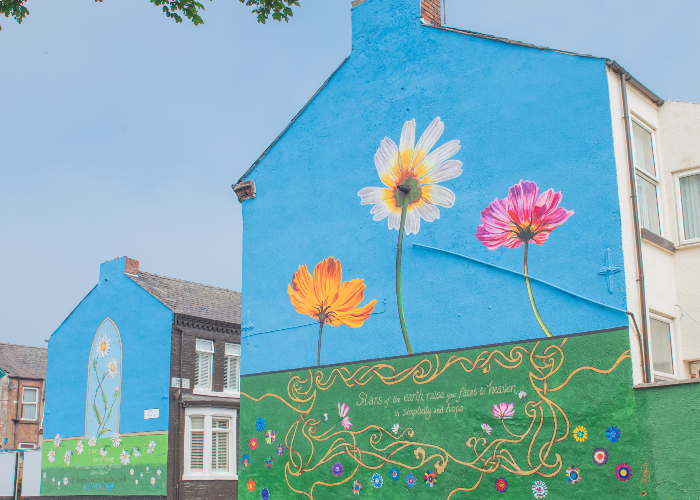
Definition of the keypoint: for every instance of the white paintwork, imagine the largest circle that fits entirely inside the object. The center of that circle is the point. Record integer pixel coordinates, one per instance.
(7, 474)
(671, 279)
(152, 413)
(31, 474)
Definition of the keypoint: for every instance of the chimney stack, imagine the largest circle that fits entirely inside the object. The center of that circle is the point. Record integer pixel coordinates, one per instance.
(131, 267)
(430, 11)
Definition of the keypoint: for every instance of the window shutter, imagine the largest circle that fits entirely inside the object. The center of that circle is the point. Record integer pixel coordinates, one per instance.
(197, 444)
(202, 371)
(219, 445)
(231, 367)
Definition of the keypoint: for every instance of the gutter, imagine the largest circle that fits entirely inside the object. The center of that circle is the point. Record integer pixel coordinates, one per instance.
(634, 82)
(624, 76)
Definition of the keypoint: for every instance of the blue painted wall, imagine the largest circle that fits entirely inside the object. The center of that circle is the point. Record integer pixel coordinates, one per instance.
(144, 325)
(519, 113)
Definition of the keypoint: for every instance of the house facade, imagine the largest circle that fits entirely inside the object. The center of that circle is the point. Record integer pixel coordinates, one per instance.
(22, 384)
(444, 287)
(142, 390)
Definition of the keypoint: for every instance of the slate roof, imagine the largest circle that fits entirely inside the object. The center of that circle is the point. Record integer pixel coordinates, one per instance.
(192, 299)
(23, 361)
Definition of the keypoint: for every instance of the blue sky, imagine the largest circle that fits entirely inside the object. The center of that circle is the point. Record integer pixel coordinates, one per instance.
(122, 132)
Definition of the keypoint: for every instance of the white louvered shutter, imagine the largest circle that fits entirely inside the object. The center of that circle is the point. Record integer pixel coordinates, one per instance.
(197, 444)
(219, 444)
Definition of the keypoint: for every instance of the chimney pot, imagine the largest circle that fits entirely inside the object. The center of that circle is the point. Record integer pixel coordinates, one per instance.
(131, 266)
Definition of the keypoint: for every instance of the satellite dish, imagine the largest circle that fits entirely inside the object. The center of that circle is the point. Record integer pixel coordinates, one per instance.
(12, 385)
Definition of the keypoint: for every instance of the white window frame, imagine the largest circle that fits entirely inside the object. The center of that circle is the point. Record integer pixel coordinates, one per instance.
(677, 176)
(27, 446)
(674, 353)
(233, 347)
(207, 474)
(211, 364)
(653, 179)
(35, 403)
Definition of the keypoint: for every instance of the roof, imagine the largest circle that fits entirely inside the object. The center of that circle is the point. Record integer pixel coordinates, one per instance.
(23, 361)
(192, 299)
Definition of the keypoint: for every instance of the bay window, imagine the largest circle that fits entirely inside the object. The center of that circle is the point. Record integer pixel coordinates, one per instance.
(210, 444)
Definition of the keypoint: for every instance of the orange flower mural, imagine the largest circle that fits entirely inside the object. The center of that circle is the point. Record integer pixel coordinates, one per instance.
(326, 298)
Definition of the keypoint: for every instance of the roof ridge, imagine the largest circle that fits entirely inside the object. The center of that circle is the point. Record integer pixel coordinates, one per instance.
(185, 281)
(23, 345)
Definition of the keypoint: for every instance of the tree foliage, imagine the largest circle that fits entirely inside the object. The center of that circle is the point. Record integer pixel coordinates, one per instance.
(279, 10)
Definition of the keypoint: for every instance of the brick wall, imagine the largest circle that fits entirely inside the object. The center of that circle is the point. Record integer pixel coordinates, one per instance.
(26, 431)
(430, 11)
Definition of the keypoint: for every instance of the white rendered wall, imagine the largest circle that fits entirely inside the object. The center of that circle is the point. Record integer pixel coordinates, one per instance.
(7, 473)
(31, 473)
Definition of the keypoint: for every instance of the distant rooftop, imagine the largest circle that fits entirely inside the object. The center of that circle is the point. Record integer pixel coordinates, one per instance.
(23, 361)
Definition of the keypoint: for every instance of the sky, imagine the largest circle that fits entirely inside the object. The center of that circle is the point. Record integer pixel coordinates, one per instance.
(121, 131)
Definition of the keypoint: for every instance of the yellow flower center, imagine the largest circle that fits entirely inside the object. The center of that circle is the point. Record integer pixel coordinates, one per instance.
(111, 368)
(103, 346)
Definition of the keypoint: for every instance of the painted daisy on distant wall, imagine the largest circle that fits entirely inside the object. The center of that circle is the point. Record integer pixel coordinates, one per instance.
(377, 481)
(395, 428)
(92, 441)
(67, 456)
(151, 446)
(103, 452)
(124, 457)
(131, 471)
(153, 481)
(65, 481)
(327, 299)
(253, 443)
(112, 368)
(539, 489)
(116, 440)
(524, 216)
(102, 347)
(57, 441)
(522, 394)
(135, 452)
(580, 434)
(51, 456)
(411, 175)
(79, 447)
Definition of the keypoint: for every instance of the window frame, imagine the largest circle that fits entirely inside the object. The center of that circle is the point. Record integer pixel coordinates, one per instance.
(27, 446)
(207, 474)
(674, 353)
(655, 180)
(677, 176)
(230, 392)
(35, 403)
(211, 364)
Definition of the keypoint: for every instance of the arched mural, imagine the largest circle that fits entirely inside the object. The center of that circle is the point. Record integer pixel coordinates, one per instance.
(104, 389)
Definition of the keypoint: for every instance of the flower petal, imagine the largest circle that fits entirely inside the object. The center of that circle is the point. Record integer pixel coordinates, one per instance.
(427, 211)
(434, 159)
(395, 220)
(328, 275)
(438, 195)
(408, 138)
(446, 171)
(412, 225)
(380, 211)
(428, 140)
(371, 195)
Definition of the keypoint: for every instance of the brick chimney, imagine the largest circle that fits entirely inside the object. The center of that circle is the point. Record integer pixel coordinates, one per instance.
(430, 11)
(131, 266)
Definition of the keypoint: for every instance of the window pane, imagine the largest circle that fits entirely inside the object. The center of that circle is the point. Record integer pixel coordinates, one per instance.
(233, 349)
(197, 423)
(643, 150)
(661, 346)
(29, 412)
(202, 371)
(29, 395)
(205, 345)
(219, 444)
(231, 373)
(690, 206)
(647, 204)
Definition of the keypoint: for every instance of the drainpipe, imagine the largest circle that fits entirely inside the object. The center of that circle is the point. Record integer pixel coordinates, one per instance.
(16, 421)
(624, 76)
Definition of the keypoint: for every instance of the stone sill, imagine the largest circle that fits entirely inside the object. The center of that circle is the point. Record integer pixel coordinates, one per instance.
(658, 241)
(666, 383)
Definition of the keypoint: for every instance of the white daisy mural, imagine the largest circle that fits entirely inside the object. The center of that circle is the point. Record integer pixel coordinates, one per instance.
(124, 457)
(104, 383)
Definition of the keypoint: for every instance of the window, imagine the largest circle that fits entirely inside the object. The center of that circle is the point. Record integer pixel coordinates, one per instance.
(688, 198)
(27, 446)
(211, 443)
(232, 367)
(30, 397)
(661, 338)
(203, 364)
(646, 178)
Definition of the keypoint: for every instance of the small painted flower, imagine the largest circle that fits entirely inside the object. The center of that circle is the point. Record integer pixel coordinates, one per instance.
(147, 469)
(253, 443)
(395, 473)
(250, 485)
(158, 472)
(153, 481)
(395, 428)
(260, 424)
(124, 457)
(623, 472)
(410, 480)
(539, 489)
(572, 475)
(142, 475)
(79, 447)
(486, 428)
(65, 481)
(613, 434)
(102, 348)
(57, 441)
(116, 440)
(135, 452)
(51, 456)
(151, 446)
(522, 394)
(112, 368)
(92, 441)
(270, 437)
(600, 456)
(501, 484)
(44, 475)
(503, 410)
(325, 417)
(116, 390)
(245, 460)
(53, 479)
(356, 488)
(280, 449)
(136, 481)
(103, 452)
(643, 493)
(265, 494)
(343, 409)
(430, 478)
(377, 481)
(131, 471)
(580, 434)
(269, 463)
(346, 423)
(337, 469)
(66, 457)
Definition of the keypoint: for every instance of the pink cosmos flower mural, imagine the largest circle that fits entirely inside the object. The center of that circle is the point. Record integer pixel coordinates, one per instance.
(344, 420)
(503, 410)
(524, 216)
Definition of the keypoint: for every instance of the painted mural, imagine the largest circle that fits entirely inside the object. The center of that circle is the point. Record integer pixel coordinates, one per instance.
(494, 422)
(104, 462)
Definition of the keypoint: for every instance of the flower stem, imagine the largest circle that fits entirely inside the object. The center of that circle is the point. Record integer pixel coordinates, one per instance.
(399, 300)
(532, 299)
(320, 331)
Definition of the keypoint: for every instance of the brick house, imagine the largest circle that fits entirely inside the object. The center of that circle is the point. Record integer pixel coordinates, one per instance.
(22, 396)
(148, 404)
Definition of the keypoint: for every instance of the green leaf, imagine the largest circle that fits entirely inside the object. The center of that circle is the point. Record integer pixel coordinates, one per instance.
(104, 431)
(104, 398)
(97, 412)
